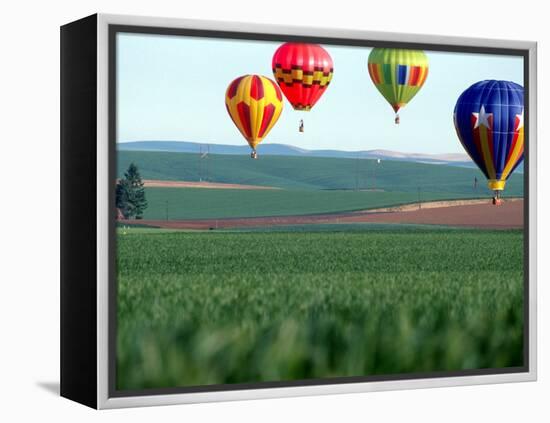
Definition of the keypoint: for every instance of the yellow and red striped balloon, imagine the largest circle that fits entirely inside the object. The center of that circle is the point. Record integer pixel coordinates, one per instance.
(254, 103)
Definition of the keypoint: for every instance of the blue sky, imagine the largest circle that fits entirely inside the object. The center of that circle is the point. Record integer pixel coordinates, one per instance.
(173, 87)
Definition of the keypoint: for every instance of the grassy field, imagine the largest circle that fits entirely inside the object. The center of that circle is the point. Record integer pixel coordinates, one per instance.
(197, 203)
(310, 173)
(215, 308)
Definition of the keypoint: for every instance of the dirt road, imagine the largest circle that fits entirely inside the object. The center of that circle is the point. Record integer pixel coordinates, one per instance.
(153, 183)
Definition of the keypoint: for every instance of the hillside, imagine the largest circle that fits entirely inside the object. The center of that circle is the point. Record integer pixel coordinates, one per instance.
(315, 173)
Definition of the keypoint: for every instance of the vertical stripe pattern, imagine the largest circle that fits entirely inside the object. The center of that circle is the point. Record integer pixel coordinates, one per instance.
(398, 74)
(488, 119)
(254, 104)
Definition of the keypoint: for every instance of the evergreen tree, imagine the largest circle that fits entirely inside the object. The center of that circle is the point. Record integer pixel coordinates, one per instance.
(130, 194)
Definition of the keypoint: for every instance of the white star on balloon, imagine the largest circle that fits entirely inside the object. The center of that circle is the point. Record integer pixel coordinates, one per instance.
(520, 123)
(482, 118)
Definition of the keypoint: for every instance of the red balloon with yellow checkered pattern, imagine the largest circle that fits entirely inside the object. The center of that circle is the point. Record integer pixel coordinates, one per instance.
(303, 71)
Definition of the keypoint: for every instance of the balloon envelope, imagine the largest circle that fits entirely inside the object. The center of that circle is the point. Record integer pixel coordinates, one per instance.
(488, 118)
(254, 103)
(398, 74)
(303, 71)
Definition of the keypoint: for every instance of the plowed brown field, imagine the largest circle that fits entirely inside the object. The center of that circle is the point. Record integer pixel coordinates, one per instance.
(478, 214)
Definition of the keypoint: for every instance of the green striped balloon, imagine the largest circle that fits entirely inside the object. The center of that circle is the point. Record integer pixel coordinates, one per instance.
(398, 74)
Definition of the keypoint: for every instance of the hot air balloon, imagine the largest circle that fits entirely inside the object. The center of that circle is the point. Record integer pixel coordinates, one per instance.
(398, 74)
(254, 103)
(488, 118)
(303, 71)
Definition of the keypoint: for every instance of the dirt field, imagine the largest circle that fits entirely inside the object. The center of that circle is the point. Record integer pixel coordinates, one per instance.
(152, 183)
(476, 214)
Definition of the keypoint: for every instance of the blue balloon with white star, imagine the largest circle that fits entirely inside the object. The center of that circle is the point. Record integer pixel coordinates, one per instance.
(488, 118)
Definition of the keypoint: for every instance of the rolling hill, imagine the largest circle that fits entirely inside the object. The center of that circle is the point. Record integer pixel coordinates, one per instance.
(315, 173)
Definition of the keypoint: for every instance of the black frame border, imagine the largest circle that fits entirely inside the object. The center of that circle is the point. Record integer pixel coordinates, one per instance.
(78, 226)
(114, 29)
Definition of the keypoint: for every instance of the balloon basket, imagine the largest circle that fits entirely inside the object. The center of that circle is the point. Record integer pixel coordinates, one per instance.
(397, 120)
(254, 155)
(497, 201)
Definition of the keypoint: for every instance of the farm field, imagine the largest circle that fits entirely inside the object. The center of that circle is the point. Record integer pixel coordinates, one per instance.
(198, 308)
(466, 213)
(304, 185)
(198, 203)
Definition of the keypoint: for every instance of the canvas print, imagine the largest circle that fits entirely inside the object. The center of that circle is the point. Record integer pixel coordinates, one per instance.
(291, 211)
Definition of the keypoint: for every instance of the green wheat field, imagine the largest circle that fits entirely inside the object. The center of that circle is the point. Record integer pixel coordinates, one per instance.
(222, 307)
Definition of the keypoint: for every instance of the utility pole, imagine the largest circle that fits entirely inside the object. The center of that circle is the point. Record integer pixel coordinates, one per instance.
(199, 163)
(207, 157)
(203, 169)
(356, 172)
